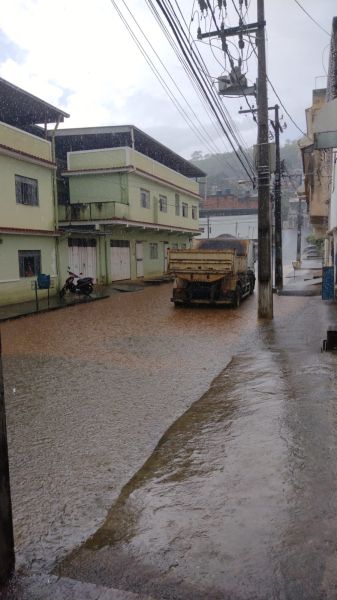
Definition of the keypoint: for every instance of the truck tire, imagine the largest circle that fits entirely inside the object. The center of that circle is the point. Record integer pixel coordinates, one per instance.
(237, 297)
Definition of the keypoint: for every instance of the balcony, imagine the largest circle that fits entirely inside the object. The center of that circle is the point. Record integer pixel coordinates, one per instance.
(93, 211)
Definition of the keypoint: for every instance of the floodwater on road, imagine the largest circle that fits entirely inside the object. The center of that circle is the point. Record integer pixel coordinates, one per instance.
(89, 392)
(238, 500)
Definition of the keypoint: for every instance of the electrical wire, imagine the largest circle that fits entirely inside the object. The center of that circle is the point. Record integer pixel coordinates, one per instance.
(205, 139)
(312, 18)
(215, 98)
(190, 59)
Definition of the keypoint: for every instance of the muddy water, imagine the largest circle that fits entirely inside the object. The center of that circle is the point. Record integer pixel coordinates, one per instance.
(89, 391)
(238, 500)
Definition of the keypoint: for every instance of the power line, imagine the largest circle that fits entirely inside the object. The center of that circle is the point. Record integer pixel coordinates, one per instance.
(191, 58)
(312, 18)
(176, 103)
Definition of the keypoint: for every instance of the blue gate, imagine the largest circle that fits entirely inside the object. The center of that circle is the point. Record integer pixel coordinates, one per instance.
(328, 283)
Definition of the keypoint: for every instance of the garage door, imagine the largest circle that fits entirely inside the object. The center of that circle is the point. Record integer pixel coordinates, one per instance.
(120, 260)
(82, 256)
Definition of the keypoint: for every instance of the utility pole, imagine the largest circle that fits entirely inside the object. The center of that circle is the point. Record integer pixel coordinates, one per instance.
(265, 299)
(299, 229)
(278, 209)
(236, 84)
(7, 558)
(277, 194)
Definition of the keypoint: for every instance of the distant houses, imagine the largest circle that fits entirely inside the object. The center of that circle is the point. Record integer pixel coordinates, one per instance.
(227, 213)
(105, 201)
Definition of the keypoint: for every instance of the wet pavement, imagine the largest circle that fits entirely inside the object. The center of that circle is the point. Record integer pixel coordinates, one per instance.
(191, 452)
(239, 498)
(89, 392)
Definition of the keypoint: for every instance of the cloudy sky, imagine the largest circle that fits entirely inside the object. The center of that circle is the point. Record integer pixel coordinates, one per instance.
(78, 55)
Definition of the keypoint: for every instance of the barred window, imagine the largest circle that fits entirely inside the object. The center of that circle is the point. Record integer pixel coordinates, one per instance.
(177, 203)
(26, 190)
(184, 209)
(162, 203)
(145, 198)
(194, 212)
(82, 242)
(153, 250)
(29, 262)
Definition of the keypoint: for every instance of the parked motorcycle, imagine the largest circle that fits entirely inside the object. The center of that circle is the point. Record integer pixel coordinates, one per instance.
(77, 285)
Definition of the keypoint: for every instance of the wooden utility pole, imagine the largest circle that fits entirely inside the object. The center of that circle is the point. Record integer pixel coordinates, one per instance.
(265, 291)
(278, 208)
(277, 194)
(7, 558)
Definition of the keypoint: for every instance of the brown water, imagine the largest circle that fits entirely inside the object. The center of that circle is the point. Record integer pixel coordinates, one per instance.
(89, 392)
(238, 500)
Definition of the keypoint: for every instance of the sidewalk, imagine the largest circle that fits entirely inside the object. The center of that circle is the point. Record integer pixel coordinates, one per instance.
(303, 281)
(50, 587)
(22, 309)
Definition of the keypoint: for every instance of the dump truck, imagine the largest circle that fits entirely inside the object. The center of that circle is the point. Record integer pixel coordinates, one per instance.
(213, 271)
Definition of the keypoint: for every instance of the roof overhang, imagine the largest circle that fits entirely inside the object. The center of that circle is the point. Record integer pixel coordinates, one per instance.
(90, 138)
(21, 109)
(128, 224)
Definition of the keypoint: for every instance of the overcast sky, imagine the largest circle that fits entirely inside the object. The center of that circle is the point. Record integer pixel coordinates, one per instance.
(77, 55)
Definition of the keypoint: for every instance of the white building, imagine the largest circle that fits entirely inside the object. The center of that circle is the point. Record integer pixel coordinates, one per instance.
(239, 225)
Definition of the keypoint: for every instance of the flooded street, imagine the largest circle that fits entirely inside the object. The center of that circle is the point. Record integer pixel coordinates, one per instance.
(238, 500)
(182, 453)
(89, 392)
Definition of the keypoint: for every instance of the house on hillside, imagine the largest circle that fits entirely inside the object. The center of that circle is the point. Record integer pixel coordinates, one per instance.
(28, 236)
(123, 200)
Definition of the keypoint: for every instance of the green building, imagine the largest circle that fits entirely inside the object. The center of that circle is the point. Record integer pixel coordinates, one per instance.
(124, 199)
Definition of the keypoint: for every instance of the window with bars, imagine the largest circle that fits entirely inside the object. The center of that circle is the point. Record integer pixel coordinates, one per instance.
(26, 190)
(82, 242)
(145, 198)
(194, 212)
(184, 209)
(177, 204)
(29, 262)
(163, 204)
(153, 250)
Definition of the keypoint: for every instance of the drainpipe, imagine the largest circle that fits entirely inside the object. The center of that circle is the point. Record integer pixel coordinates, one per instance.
(56, 222)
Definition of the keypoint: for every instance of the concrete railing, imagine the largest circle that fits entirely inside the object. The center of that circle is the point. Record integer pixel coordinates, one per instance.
(93, 211)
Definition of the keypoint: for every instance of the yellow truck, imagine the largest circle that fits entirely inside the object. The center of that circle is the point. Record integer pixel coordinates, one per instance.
(215, 271)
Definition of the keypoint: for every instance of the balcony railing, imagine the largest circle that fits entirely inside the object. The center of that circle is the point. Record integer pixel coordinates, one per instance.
(93, 211)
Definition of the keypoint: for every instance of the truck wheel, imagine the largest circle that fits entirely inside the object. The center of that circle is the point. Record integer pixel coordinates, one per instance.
(237, 298)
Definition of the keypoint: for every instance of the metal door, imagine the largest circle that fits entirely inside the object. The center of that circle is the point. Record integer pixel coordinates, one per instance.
(120, 260)
(166, 247)
(139, 259)
(82, 257)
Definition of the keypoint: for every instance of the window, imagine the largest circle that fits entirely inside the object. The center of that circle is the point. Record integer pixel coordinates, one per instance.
(177, 199)
(184, 209)
(26, 190)
(183, 246)
(194, 212)
(119, 244)
(29, 263)
(174, 246)
(145, 198)
(153, 250)
(162, 203)
(81, 242)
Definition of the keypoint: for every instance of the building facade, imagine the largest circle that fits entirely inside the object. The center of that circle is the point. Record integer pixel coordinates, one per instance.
(27, 172)
(124, 209)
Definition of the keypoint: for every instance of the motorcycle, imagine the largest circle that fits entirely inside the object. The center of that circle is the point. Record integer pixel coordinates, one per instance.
(77, 285)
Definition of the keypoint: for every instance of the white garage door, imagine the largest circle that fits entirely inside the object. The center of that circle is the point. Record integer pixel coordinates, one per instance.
(120, 260)
(82, 256)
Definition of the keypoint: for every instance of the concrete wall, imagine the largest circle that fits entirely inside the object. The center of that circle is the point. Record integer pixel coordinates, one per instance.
(14, 289)
(25, 216)
(244, 226)
(16, 139)
(152, 267)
